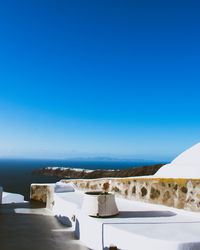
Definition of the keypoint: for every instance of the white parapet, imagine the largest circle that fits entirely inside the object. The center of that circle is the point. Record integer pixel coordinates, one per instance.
(1, 194)
(12, 198)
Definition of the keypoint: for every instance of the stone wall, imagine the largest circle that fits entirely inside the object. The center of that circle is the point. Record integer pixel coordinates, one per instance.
(178, 193)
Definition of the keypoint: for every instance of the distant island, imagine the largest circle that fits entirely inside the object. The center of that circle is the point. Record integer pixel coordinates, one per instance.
(71, 173)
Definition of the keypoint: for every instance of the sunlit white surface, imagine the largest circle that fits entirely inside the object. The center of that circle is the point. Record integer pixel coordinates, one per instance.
(186, 165)
(12, 198)
(139, 225)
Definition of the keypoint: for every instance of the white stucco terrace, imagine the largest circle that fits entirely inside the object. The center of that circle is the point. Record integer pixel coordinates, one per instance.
(138, 226)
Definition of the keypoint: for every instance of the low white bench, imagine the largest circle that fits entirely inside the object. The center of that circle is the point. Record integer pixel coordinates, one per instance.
(153, 235)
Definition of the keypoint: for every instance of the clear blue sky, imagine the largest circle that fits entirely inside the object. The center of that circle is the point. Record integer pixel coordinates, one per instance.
(94, 78)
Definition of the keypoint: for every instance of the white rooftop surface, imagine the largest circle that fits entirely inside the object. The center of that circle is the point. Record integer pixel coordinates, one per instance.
(186, 165)
(148, 226)
(12, 198)
(138, 226)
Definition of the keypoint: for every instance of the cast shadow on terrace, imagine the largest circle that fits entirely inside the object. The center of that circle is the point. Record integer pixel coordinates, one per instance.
(144, 214)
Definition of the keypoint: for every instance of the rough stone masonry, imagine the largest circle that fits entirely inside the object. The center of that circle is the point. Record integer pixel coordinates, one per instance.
(178, 193)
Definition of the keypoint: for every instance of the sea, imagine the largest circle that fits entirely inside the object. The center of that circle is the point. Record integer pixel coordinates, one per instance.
(16, 177)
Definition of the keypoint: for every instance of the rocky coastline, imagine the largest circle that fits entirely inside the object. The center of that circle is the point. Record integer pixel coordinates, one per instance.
(70, 173)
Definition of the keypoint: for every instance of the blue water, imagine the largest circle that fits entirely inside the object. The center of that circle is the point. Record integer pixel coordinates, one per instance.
(16, 177)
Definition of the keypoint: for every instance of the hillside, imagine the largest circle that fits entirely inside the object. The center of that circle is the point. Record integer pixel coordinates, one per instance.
(71, 173)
